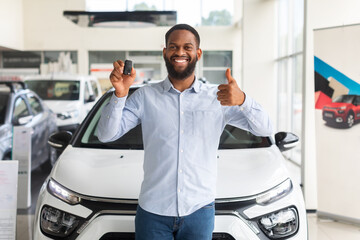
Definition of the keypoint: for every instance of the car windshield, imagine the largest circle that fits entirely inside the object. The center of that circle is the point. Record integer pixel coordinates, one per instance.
(55, 89)
(4, 98)
(344, 99)
(231, 138)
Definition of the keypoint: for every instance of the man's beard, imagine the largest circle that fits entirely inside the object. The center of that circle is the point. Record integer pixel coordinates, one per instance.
(183, 74)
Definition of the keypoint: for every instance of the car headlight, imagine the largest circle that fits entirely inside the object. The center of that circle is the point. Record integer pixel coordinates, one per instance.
(275, 193)
(68, 114)
(57, 223)
(280, 224)
(63, 193)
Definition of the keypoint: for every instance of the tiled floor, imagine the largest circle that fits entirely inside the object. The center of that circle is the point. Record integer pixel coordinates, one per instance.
(319, 229)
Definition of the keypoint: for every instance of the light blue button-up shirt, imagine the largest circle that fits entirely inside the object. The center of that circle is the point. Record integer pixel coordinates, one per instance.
(181, 132)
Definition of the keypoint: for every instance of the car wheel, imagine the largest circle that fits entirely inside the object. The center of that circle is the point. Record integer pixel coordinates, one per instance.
(350, 120)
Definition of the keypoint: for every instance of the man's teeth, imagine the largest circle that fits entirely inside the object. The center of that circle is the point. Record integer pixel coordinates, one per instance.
(180, 61)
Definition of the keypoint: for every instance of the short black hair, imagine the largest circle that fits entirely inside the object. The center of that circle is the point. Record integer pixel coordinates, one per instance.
(183, 27)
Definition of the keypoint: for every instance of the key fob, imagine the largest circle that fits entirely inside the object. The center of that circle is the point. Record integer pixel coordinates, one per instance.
(127, 67)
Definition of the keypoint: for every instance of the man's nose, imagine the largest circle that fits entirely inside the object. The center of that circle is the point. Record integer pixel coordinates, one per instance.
(180, 51)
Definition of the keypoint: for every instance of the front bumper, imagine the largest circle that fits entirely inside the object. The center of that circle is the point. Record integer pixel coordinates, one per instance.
(113, 220)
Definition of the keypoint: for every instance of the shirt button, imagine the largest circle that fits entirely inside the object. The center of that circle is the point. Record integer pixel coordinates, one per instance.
(108, 117)
(115, 101)
(182, 131)
(179, 190)
(182, 113)
(181, 150)
(180, 171)
(241, 108)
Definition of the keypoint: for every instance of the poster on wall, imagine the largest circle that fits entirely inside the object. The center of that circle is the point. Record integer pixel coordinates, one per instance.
(337, 121)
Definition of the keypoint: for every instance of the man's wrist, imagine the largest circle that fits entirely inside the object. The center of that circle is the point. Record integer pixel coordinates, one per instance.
(244, 98)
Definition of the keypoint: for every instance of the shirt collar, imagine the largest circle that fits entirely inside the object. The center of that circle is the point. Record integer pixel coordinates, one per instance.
(167, 85)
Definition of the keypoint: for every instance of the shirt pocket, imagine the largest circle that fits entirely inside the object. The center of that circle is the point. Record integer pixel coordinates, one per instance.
(205, 123)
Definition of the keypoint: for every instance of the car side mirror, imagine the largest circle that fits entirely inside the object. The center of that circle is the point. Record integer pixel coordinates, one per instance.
(60, 140)
(286, 140)
(22, 120)
(90, 99)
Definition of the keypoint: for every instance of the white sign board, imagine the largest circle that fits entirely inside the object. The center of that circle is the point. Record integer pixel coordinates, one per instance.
(8, 197)
(21, 151)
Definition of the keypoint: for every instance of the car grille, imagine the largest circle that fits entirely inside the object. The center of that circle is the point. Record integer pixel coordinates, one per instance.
(131, 236)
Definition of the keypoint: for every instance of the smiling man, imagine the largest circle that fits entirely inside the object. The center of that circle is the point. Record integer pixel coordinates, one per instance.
(182, 120)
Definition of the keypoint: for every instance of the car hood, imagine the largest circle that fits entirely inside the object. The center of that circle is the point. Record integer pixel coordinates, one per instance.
(119, 173)
(62, 106)
(337, 105)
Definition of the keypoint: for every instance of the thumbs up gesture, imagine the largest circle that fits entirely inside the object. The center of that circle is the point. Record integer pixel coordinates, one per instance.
(230, 94)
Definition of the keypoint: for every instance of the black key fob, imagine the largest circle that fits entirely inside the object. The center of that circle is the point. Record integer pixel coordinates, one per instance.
(127, 67)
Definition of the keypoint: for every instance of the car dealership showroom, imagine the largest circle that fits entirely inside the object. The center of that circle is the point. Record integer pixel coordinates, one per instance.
(118, 119)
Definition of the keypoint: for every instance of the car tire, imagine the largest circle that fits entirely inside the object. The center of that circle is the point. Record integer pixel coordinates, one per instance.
(350, 120)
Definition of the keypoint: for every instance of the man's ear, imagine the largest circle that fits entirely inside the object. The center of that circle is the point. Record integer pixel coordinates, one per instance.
(199, 53)
(164, 53)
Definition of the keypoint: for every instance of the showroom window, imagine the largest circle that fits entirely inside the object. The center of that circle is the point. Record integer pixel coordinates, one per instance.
(201, 12)
(32, 59)
(290, 70)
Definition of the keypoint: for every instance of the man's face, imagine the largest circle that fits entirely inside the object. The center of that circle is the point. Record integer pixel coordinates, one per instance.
(181, 54)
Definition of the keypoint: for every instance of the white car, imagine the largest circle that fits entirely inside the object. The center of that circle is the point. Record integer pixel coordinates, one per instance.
(92, 190)
(71, 97)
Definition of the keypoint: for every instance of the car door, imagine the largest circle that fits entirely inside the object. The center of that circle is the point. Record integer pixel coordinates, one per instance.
(40, 149)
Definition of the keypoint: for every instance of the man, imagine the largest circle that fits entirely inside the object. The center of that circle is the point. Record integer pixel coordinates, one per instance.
(182, 120)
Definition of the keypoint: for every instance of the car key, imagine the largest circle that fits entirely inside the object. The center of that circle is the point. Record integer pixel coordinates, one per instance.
(127, 67)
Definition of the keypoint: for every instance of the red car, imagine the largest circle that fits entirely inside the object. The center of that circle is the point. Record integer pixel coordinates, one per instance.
(344, 110)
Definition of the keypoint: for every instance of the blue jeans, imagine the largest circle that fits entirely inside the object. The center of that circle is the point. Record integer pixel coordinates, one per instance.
(196, 226)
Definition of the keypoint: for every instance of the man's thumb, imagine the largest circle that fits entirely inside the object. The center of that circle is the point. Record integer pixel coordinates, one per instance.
(228, 76)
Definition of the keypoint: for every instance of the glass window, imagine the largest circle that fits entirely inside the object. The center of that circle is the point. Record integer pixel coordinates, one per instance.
(217, 58)
(17, 59)
(215, 64)
(20, 109)
(35, 105)
(53, 56)
(95, 88)
(105, 56)
(290, 70)
(86, 91)
(55, 89)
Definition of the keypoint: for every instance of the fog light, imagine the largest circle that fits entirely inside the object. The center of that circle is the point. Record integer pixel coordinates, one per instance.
(57, 223)
(283, 223)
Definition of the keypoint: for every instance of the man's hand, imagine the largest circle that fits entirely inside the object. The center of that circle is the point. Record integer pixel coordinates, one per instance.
(121, 82)
(230, 94)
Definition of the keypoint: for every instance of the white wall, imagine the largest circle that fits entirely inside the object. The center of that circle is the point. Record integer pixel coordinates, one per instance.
(11, 24)
(259, 54)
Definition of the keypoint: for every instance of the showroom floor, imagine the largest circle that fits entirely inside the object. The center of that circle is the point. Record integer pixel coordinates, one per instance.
(319, 229)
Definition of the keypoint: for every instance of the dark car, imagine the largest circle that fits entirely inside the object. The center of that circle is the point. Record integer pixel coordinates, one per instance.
(343, 111)
(22, 107)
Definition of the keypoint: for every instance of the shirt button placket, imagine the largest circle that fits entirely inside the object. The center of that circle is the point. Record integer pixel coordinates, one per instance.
(180, 179)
